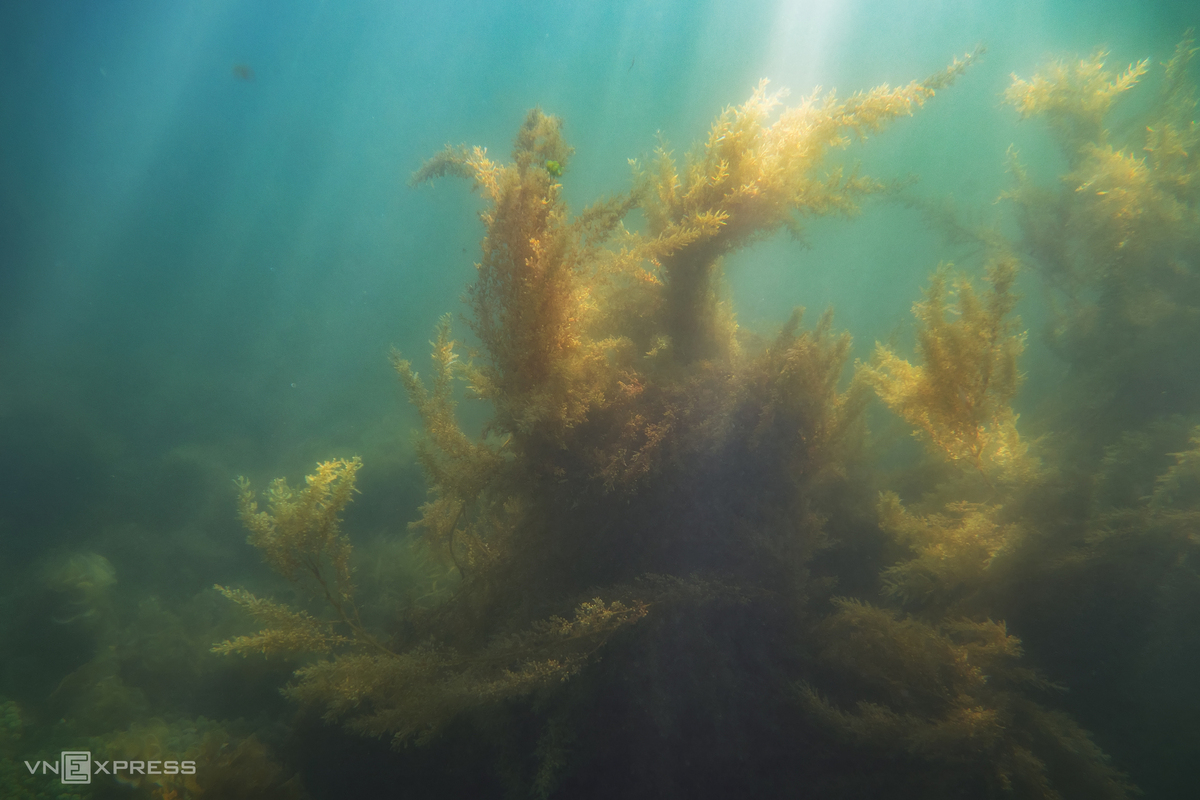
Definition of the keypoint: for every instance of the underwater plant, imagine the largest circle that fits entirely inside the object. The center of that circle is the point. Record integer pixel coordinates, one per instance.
(953, 695)
(1116, 238)
(1075, 97)
(1093, 551)
(953, 551)
(960, 397)
(944, 685)
(225, 763)
(652, 505)
(411, 692)
(598, 348)
(300, 537)
(748, 180)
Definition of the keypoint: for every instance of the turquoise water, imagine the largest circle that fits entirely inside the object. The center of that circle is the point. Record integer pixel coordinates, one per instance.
(208, 245)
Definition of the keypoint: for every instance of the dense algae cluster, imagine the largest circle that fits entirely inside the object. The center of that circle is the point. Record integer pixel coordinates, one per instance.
(644, 460)
(677, 515)
(676, 564)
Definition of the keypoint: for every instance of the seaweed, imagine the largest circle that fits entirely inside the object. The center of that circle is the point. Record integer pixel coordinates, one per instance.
(750, 179)
(960, 398)
(1116, 238)
(411, 690)
(226, 763)
(953, 552)
(622, 396)
(653, 477)
(953, 695)
(1075, 97)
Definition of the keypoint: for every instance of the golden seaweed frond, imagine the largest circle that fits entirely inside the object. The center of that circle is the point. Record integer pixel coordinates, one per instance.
(948, 695)
(962, 731)
(463, 162)
(410, 696)
(751, 177)
(229, 763)
(300, 537)
(1173, 133)
(381, 694)
(534, 301)
(539, 140)
(758, 173)
(914, 664)
(1074, 97)
(959, 397)
(374, 689)
(1116, 234)
(594, 622)
(636, 452)
(1077, 101)
(801, 402)
(287, 631)
(1145, 510)
(300, 533)
(1179, 486)
(1125, 209)
(953, 550)
(1178, 91)
(459, 469)
(944, 78)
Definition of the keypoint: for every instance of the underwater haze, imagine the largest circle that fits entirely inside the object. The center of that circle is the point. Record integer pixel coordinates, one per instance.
(638, 528)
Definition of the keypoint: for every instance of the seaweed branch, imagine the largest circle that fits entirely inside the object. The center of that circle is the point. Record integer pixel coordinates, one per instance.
(959, 398)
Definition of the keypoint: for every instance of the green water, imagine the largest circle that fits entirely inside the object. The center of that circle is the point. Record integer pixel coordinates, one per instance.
(208, 248)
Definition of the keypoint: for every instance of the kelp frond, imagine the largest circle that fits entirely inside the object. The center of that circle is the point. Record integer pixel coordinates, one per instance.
(300, 533)
(410, 696)
(753, 176)
(802, 370)
(374, 689)
(1181, 482)
(953, 550)
(949, 695)
(1117, 234)
(959, 397)
(287, 632)
(534, 301)
(1074, 96)
(459, 469)
(301, 539)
